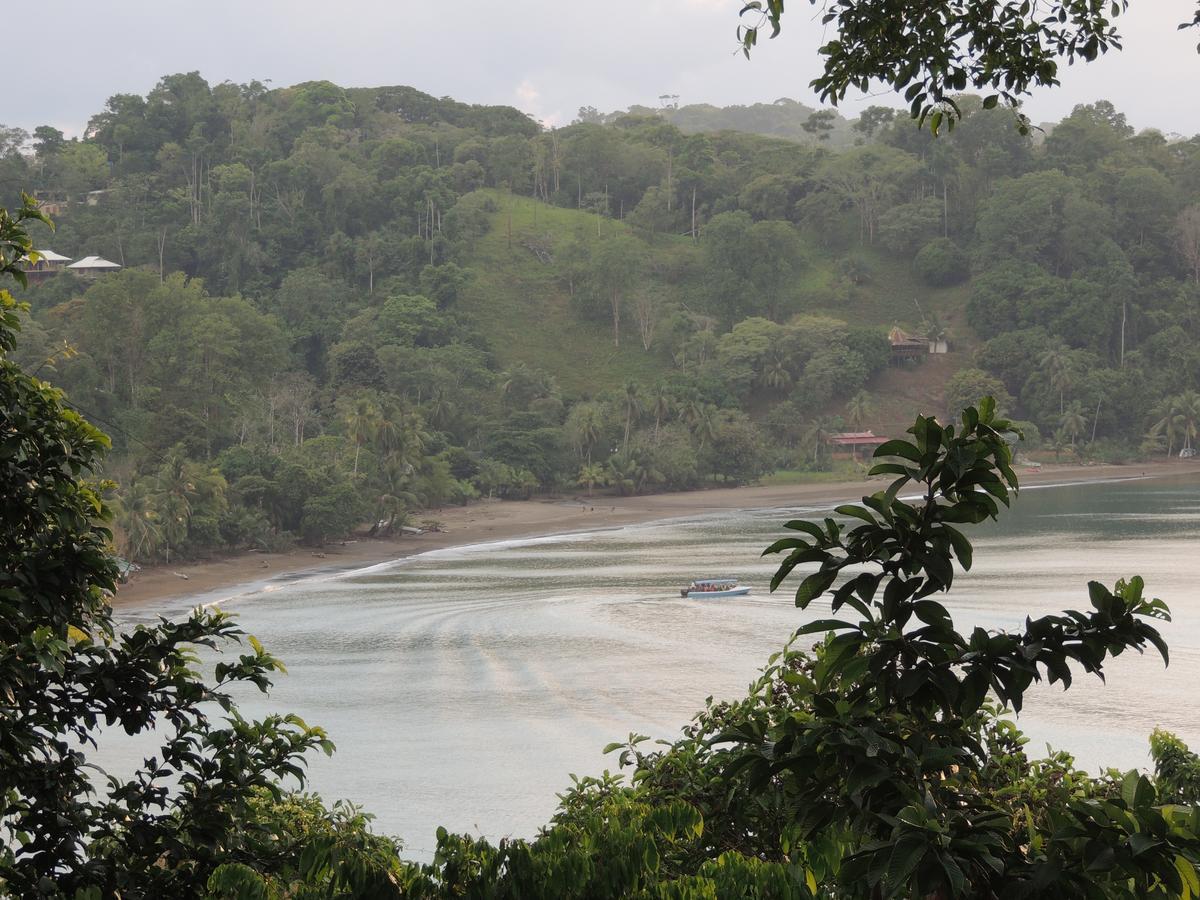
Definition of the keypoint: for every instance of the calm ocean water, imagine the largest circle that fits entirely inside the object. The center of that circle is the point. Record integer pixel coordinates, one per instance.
(462, 686)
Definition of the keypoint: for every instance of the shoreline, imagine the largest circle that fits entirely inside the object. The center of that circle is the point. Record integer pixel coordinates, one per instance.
(501, 520)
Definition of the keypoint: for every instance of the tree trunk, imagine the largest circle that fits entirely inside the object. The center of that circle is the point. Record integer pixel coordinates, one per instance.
(162, 246)
(670, 154)
(615, 299)
(1124, 313)
(945, 210)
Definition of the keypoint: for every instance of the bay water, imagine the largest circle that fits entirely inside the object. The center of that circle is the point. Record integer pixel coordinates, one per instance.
(463, 686)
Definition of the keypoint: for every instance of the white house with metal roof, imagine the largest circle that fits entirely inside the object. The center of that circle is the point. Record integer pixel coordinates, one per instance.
(93, 265)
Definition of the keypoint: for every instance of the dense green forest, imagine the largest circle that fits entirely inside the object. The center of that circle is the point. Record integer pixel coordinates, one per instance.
(341, 306)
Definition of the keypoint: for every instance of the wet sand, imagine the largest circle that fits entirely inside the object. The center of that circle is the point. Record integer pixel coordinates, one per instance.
(511, 519)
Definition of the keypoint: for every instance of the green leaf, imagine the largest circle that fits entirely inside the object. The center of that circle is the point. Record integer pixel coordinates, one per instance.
(902, 862)
(814, 586)
(807, 527)
(823, 625)
(891, 469)
(899, 448)
(785, 544)
(962, 546)
(855, 512)
(931, 612)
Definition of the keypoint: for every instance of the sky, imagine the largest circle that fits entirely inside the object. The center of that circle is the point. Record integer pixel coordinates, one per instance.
(546, 57)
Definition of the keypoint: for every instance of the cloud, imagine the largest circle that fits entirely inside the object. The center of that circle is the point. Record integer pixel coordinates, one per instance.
(527, 94)
(529, 99)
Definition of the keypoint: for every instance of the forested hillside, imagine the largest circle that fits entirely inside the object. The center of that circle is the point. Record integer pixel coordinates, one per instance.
(785, 118)
(341, 306)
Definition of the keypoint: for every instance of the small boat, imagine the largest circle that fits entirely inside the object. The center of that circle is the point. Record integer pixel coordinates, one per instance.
(713, 589)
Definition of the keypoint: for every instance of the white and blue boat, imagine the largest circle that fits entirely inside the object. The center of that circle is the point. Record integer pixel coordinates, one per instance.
(713, 589)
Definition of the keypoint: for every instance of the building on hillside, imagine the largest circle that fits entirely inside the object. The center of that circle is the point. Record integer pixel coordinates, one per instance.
(49, 263)
(91, 266)
(846, 444)
(907, 346)
(52, 203)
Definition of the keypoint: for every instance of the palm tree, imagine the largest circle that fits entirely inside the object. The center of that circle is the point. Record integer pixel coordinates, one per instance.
(859, 408)
(625, 474)
(138, 518)
(1056, 363)
(691, 411)
(1168, 422)
(521, 385)
(1152, 442)
(1188, 411)
(415, 439)
(661, 405)
(388, 431)
(1073, 422)
(815, 439)
(512, 380)
(362, 421)
(776, 374)
(173, 499)
(704, 423)
(1058, 444)
(935, 328)
(396, 510)
(591, 475)
(586, 425)
(441, 408)
(633, 405)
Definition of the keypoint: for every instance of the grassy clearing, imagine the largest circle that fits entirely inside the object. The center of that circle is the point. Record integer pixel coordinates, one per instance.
(892, 294)
(525, 308)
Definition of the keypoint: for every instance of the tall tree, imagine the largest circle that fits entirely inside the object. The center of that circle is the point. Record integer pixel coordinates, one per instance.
(1187, 235)
(632, 400)
(613, 270)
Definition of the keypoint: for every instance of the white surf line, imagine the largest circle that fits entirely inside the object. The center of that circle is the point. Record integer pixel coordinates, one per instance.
(253, 588)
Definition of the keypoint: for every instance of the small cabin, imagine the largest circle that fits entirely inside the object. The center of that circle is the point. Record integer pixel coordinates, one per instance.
(91, 266)
(907, 346)
(52, 203)
(49, 263)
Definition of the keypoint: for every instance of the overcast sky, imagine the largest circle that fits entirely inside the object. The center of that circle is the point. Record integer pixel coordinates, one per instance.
(547, 57)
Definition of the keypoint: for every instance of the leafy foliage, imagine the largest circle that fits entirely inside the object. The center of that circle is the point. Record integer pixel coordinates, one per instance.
(69, 680)
(896, 744)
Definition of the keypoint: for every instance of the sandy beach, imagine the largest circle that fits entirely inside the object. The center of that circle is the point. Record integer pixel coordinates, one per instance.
(510, 519)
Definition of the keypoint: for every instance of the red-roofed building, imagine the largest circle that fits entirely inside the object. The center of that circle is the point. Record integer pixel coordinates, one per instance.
(847, 443)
